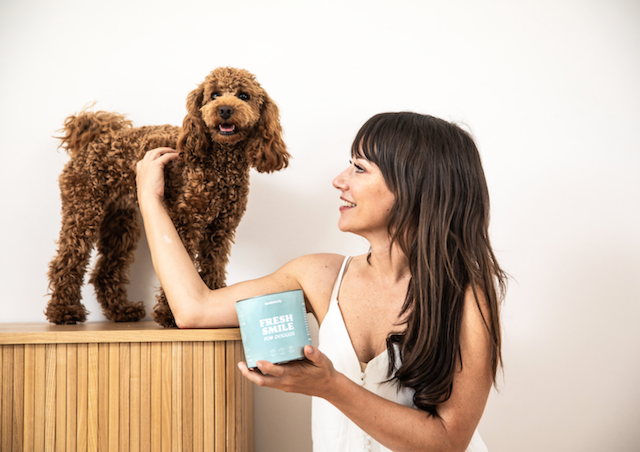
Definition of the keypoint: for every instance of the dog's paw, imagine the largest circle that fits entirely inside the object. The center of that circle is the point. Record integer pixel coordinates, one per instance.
(66, 314)
(126, 312)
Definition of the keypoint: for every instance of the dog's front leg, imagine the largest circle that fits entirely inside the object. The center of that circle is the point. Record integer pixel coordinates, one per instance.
(214, 253)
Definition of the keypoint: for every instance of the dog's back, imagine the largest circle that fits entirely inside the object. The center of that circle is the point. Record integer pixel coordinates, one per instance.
(104, 149)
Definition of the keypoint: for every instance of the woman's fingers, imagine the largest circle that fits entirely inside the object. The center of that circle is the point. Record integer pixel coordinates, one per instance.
(158, 152)
(267, 374)
(311, 376)
(252, 375)
(268, 368)
(150, 172)
(158, 155)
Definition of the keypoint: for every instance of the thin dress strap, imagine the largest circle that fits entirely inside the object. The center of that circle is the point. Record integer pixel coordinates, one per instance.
(338, 283)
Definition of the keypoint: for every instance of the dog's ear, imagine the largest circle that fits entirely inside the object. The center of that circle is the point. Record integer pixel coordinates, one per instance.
(193, 139)
(266, 150)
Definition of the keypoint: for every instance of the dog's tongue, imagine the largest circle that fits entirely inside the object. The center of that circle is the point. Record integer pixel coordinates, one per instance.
(227, 128)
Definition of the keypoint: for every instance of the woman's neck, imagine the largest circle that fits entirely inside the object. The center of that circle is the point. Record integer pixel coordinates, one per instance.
(389, 262)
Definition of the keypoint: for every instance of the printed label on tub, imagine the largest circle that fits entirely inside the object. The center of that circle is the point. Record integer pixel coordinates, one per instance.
(274, 327)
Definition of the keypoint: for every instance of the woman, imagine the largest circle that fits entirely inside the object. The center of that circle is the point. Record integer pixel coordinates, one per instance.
(408, 354)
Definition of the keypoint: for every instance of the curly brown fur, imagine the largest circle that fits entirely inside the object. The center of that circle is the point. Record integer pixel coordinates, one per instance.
(231, 125)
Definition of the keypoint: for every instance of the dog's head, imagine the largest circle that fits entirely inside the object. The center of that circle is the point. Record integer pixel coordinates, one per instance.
(231, 108)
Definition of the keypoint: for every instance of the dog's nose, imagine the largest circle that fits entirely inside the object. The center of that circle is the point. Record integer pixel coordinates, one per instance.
(225, 112)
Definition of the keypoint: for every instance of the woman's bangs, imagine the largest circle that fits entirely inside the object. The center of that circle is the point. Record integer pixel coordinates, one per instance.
(364, 145)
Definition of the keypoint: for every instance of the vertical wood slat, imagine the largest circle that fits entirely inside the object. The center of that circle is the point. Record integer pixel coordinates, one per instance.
(114, 396)
(103, 398)
(93, 394)
(209, 396)
(7, 398)
(145, 397)
(176, 397)
(250, 428)
(166, 398)
(50, 399)
(82, 398)
(156, 397)
(124, 408)
(90, 397)
(61, 397)
(72, 397)
(230, 396)
(39, 399)
(198, 397)
(18, 397)
(240, 388)
(134, 398)
(219, 401)
(2, 385)
(29, 396)
(187, 397)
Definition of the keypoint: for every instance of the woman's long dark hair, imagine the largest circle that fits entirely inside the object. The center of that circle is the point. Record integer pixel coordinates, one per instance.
(440, 221)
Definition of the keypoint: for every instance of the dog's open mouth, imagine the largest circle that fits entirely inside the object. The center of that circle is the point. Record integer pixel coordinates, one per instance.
(227, 129)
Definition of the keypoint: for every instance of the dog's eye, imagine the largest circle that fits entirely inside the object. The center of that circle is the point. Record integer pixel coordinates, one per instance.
(243, 96)
(215, 95)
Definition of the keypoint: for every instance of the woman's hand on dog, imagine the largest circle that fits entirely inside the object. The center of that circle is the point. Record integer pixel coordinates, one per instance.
(150, 173)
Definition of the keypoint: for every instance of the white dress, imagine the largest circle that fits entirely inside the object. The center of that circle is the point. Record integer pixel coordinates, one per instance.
(332, 431)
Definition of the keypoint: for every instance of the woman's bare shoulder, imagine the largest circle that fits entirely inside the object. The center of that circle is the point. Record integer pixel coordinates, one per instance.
(319, 268)
(316, 273)
(326, 260)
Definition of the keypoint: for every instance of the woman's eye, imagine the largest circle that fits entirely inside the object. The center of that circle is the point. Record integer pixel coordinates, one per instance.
(358, 168)
(215, 95)
(243, 96)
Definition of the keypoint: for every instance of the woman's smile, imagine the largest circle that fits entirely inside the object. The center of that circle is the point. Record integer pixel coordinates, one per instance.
(346, 204)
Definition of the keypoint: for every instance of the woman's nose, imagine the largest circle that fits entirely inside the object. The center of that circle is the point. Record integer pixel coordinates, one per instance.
(340, 180)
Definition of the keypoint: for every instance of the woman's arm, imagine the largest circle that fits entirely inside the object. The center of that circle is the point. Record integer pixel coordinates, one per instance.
(398, 427)
(193, 304)
(174, 268)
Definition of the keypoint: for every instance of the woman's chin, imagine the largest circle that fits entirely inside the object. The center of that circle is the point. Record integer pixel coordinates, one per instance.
(348, 229)
(343, 226)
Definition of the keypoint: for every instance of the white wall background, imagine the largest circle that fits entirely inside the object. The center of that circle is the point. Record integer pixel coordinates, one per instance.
(550, 89)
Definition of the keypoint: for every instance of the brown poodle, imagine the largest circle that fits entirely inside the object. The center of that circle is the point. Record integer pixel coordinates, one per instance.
(231, 126)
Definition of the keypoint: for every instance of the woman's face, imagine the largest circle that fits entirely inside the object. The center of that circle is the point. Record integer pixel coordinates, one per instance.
(366, 200)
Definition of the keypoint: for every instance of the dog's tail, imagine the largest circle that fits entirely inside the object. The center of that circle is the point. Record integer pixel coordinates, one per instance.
(81, 129)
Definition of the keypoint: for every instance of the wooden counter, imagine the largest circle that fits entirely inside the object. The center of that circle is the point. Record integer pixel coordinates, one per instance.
(105, 386)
